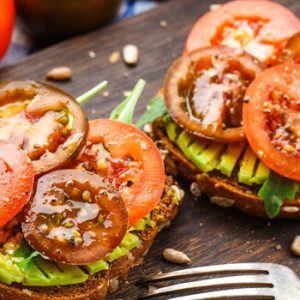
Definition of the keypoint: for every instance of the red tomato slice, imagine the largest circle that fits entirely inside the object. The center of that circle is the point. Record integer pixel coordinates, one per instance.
(16, 181)
(7, 18)
(258, 27)
(271, 115)
(130, 160)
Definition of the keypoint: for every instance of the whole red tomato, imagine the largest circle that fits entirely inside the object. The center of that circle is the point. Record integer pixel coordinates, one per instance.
(7, 17)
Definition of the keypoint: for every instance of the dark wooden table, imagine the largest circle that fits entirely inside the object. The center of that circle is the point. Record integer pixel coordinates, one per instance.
(207, 233)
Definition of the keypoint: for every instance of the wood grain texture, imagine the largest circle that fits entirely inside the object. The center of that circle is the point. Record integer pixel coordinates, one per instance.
(207, 233)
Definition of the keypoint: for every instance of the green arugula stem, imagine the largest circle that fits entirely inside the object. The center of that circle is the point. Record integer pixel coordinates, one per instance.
(156, 108)
(92, 92)
(124, 111)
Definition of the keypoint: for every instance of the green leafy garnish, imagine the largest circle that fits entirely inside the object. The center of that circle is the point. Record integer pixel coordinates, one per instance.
(28, 255)
(124, 111)
(24, 250)
(155, 109)
(25, 263)
(274, 191)
(91, 93)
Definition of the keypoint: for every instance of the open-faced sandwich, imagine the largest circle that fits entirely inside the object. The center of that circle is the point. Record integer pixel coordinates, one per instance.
(231, 120)
(81, 202)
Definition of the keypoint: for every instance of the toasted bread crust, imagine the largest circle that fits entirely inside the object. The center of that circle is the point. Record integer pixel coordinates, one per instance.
(222, 190)
(96, 287)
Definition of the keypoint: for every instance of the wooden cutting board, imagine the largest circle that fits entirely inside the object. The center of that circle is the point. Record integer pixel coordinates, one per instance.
(207, 233)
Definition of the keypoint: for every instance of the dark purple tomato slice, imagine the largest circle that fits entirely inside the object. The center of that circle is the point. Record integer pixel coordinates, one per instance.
(44, 121)
(204, 91)
(75, 217)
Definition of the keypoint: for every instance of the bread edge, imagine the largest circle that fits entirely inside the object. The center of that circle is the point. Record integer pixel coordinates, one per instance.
(221, 190)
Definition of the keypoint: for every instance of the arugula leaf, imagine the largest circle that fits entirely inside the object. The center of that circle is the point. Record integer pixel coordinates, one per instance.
(124, 111)
(92, 92)
(28, 255)
(274, 191)
(155, 109)
(26, 262)
(24, 250)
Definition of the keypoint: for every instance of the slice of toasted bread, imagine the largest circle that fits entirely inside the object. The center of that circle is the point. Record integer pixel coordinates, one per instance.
(223, 191)
(97, 286)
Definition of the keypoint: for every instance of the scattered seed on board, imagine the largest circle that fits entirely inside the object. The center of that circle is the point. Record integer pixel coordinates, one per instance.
(60, 74)
(175, 256)
(195, 189)
(92, 54)
(126, 93)
(114, 57)
(131, 54)
(105, 93)
(278, 247)
(222, 201)
(295, 247)
(163, 24)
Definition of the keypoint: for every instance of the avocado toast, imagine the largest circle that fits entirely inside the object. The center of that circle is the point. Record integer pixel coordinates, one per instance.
(76, 224)
(230, 109)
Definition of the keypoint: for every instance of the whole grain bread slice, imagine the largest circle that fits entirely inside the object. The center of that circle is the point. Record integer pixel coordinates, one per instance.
(97, 286)
(222, 191)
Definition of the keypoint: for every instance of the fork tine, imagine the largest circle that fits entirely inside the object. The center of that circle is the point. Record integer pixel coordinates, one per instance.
(248, 293)
(210, 270)
(229, 281)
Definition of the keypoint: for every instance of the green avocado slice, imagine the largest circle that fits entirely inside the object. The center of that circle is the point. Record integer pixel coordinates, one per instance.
(9, 271)
(261, 175)
(230, 158)
(247, 167)
(47, 273)
(172, 130)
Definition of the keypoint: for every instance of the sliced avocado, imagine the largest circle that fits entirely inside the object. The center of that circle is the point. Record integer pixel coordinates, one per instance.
(130, 241)
(9, 271)
(209, 158)
(198, 147)
(71, 274)
(247, 167)
(34, 276)
(141, 225)
(230, 157)
(97, 266)
(116, 253)
(47, 273)
(172, 130)
(184, 141)
(261, 175)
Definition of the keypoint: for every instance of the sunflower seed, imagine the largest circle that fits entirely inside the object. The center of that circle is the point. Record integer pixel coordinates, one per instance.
(175, 256)
(60, 74)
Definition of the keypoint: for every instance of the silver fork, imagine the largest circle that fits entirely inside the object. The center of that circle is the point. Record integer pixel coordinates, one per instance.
(245, 281)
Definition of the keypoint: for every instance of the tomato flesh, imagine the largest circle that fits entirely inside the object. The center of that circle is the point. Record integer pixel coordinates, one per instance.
(261, 28)
(75, 217)
(272, 119)
(16, 181)
(40, 119)
(131, 162)
(7, 17)
(204, 91)
(291, 52)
